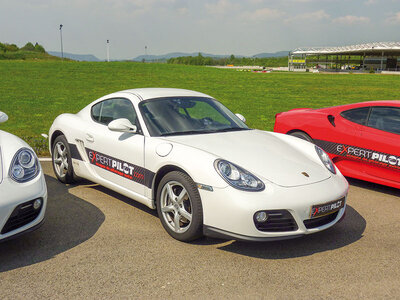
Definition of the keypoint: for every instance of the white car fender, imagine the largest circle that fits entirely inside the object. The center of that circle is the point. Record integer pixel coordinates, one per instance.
(199, 161)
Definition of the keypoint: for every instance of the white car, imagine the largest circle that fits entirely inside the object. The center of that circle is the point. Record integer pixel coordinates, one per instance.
(186, 155)
(23, 191)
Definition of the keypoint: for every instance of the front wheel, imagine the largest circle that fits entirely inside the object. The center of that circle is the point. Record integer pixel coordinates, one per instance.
(179, 207)
(61, 159)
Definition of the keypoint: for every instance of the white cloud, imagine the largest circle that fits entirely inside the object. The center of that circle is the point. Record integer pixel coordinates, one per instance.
(395, 18)
(349, 20)
(263, 14)
(183, 11)
(309, 16)
(220, 7)
(370, 2)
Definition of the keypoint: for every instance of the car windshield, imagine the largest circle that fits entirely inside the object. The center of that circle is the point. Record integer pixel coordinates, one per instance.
(188, 115)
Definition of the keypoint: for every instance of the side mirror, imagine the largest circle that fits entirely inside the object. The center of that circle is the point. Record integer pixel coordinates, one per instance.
(241, 118)
(3, 117)
(122, 125)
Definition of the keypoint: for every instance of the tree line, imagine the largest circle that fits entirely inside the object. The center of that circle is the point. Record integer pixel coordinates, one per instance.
(5, 47)
(201, 60)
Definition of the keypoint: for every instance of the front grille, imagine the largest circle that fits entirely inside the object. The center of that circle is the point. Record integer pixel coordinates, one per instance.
(317, 222)
(278, 221)
(22, 215)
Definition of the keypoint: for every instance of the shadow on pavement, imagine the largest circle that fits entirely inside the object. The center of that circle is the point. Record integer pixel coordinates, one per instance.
(69, 221)
(374, 187)
(340, 235)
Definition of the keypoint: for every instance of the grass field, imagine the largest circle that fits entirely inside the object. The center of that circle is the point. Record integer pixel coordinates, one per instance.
(33, 93)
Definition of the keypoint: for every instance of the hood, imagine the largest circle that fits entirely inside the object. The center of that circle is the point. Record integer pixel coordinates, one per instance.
(266, 155)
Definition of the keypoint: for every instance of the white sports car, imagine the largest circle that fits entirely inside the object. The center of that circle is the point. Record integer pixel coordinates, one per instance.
(23, 191)
(186, 155)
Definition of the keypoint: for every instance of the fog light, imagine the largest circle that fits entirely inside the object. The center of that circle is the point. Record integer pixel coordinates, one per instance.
(261, 216)
(37, 204)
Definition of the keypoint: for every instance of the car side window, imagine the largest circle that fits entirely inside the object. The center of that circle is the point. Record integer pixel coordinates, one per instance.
(385, 118)
(106, 111)
(356, 115)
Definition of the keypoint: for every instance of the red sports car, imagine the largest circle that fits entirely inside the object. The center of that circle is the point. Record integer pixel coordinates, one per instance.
(363, 139)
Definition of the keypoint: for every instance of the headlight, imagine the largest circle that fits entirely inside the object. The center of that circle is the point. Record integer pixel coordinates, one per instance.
(238, 177)
(24, 166)
(326, 160)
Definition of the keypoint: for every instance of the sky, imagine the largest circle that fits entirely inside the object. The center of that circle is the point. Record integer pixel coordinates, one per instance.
(245, 27)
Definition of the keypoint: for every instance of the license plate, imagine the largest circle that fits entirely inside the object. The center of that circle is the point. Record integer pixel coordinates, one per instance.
(320, 210)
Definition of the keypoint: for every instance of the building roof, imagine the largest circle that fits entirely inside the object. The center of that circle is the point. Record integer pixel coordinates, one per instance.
(371, 49)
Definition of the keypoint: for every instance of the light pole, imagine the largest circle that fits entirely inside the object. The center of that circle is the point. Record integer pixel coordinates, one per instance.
(62, 51)
(108, 50)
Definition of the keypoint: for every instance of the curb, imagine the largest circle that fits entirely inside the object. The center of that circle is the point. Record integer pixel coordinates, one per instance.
(44, 158)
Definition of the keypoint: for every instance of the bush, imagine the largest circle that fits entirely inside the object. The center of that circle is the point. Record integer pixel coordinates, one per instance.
(39, 48)
(11, 48)
(28, 47)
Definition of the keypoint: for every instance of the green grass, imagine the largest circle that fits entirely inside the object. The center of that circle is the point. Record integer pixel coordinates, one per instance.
(33, 93)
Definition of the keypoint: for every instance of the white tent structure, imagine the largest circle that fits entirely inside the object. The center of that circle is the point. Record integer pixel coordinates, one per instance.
(379, 56)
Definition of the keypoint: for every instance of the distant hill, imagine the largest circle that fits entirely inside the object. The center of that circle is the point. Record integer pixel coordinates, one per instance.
(165, 57)
(276, 54)
(79, 57)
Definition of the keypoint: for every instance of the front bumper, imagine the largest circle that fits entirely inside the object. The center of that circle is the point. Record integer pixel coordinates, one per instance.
(229, 213)
(12, 195)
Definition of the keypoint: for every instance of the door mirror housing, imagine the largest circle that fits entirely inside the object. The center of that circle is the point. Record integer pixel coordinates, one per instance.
(241, 118)
(122, 125)
(3, 117)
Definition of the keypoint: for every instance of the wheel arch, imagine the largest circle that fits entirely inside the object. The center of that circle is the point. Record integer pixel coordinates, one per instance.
(53, 137)
(164, 170)
(299, 130)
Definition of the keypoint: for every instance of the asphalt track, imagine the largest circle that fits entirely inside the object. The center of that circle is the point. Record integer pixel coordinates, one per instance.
(98, 244)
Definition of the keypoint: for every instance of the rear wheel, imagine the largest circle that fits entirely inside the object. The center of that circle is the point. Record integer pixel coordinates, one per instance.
(179, 207)
(302, 135)
(62, 162)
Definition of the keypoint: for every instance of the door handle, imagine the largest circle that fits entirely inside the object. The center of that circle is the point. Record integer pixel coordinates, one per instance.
(89, 138)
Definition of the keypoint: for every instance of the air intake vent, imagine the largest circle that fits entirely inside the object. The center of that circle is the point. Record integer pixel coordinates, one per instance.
(23, 214)
(277, 221)
(317, 222)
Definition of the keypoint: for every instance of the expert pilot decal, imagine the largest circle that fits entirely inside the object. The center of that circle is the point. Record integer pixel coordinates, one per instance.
(371, 156)
(119, 167)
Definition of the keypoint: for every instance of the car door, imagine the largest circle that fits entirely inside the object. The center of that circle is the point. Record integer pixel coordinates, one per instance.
(116, 157)
(382, 136)
(343, 138)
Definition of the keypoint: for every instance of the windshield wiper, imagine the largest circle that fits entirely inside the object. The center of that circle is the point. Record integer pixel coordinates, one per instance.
(187, 132)
(202, 131)
(231, 129)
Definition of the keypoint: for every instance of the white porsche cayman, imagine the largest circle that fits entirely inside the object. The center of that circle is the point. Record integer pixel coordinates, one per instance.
(186, 155)
(23, 191)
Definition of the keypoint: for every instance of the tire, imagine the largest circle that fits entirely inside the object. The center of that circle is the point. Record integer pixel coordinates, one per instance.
(302, 135)
(61, 160)
(181, 214)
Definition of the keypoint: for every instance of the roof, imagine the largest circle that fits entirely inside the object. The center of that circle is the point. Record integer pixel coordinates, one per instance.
(395, 103)
(389, 48)
(151, 93)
